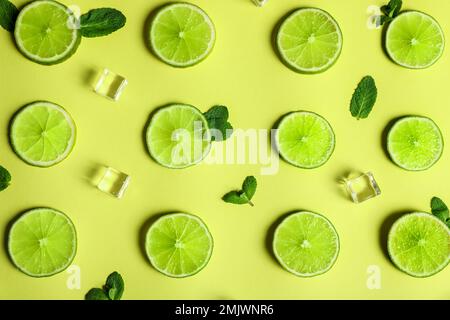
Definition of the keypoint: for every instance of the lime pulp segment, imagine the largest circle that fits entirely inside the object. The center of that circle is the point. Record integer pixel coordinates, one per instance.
(178, 136)
(309, 40)
(415, 143)
(182, 34)
(306, 244)
(414, 40)
(179, 245)
(42, 134)
(419, 244)
(305, 139)
(42, 242)
(46, 32)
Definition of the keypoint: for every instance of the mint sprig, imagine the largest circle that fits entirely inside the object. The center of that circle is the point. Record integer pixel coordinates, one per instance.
(245, 195)
(217, 118)
(101, 22)
(112, 290)
(364, 98)
(440, 210)
(390, 11)
(5, 178)
(8, 15)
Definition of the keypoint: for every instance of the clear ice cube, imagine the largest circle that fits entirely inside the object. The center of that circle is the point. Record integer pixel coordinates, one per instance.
(110, 85)
(114, 182)
(362, 187)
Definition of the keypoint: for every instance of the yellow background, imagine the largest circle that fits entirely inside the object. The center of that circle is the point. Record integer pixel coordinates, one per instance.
(243, 73)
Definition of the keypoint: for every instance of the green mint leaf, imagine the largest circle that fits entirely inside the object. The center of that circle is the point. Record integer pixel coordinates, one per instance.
(364, 98)
(235, 197)
(217, 118)
(8, 15)
(101, 22)
(440, 210)
(391, 10)
(249, 186)
(448, 222)
(115, 286)
(96, 294)
(5, 178)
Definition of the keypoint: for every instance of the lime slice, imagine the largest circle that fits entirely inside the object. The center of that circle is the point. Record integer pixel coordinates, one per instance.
(46, 32)
(306, 244)
(419, 244)
(179, 245)
(414, 40)
(181, 34)
(178, 136)
(42, 134)
(305, 139)
(309, 40)
(415, 143)
(42, 242)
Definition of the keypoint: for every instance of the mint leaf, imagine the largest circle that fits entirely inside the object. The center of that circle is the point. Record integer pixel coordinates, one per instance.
(101, 22)
(96, 294)
(217, 118)
(440, 210)
(115, 286)
(235, 197)
(5, 178)
(8, 15)
(249, 186)
(364, 98)
(391, 10)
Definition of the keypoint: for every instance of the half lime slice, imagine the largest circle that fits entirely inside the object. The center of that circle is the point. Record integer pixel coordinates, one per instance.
(419, 244)
(181, 34)
(415, 143)
(46, 32)
(305, 139)
(306, 244)
(414, 40)
(42, 242)
(179, 245)
(178, 136)
(309, 40)
(42, 134)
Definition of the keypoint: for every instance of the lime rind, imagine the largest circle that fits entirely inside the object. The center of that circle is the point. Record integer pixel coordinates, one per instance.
(70, 143)
(153, 123)
(392, 26)
(329, 131)
(194, 8)
(74, 243)
(199, 223)
(292, 65)
(392, 152)
(70, 50)
(333, 259)
(392, 255)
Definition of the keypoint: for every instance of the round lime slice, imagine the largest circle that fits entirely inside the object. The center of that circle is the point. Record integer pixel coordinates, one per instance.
(305, 139)
(42, 134)
(309, 40)
(179, 245)
(414, 40)
(46, 32)
(419, 244)
(306, 244)
(415, 143)
(178, 136)
(42, 242)
(181, 34)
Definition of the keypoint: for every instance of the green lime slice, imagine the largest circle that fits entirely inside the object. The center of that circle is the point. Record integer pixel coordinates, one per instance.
(178, 136)
(414, 40)
(305, 139)
(179, 245)
(309, 40)
(42, 242)
(181, 34)
(42, 134)
(415, 143)
(306, 244)
(46, 32)
(419, 244)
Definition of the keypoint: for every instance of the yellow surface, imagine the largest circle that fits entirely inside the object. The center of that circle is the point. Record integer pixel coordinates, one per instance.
(243, 73)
